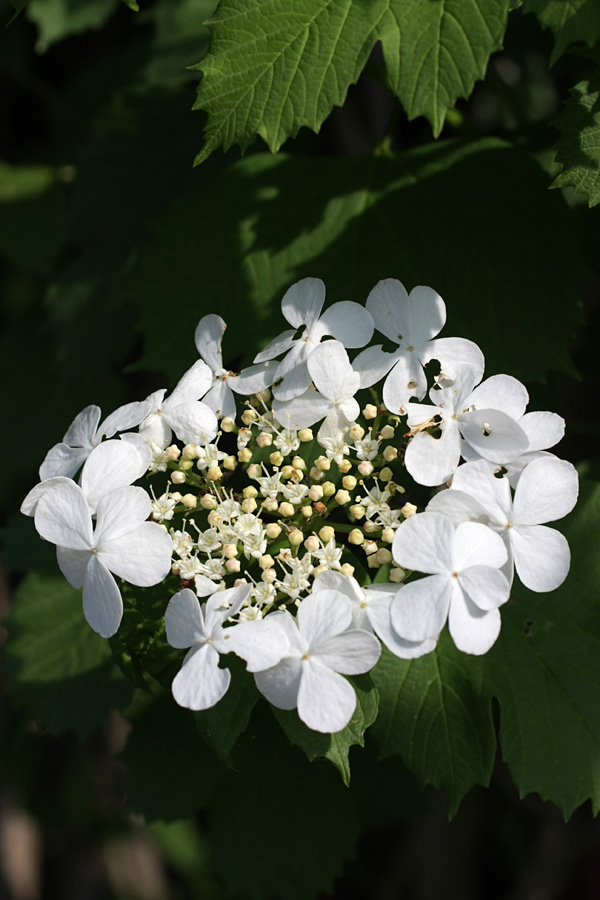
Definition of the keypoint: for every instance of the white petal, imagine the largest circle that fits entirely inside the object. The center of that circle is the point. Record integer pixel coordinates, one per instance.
(501, 392)
(326, 701)
(292, 377)
(349, 653)
(184, 621)
(155, 428)
(478, 480)
(486, 587)
(120, 512)
(544, 429)
(424, 542)
(29, 504)
(493, 434)
(347, 322)
(223, 605)
(82, 430)
(63, 517)
(303, 302)
(420, 609)
(454, 354)
(102, 603)
(331, 371)
(280, 684)
(542, 556)
(431, 461)
(111, 465)
(477, 545)
(254, 378)
(547, 491)
(208, 338)
(142, 557)
(388, 304)
(193, 385)
(303, 411)
(204, 586)
(262, 643)
(122, 419)
(458, 506)
(419, 413)
(141, 445)
(373, 364)
(427, 312)
(63, 460)
(221, 400)
(281, 344)
(335, 581)
(73, 564)
(473, 630)
(406, 380)
(323, 615)
(201, 683)
(379, 614)
(193, 422)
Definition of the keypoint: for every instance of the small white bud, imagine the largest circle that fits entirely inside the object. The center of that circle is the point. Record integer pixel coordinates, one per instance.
(327, 533)
(356, 431)
(315, 492)
(264, 439)
(286, 509)
(397, 575)
(322, 463)
(384, 557)
(316, 474)
(373, 562)
(208, 501)
(244, 455)
(370, 411)
(249, 416)
(250, 491)
(189, 501)
(178, 477)
(365, 467)
(276, 458)
(229, 551)
(387, 535)
(344, 466)
(298, 463)
(306, 512)
(214, 473)
(253, 471)
(329, 488)
(342, 497)
(273, 530)
(269, 576)
(408, 510)
(270, 504)
(357, 511)
(287, 472)
(347, 570)
(249, 505)
(266, 561)
(371, 527)
(356, 536)
(229, 463)
(387, 433)
(319, 570)
(386, 474)
(305, 435)
(189, 452)
(370, 547)
(186, 465)
(227, 424)
(173, 452)
(390, 454)
(349, 482)
(312, 543)
(233, 565)
(295, 537)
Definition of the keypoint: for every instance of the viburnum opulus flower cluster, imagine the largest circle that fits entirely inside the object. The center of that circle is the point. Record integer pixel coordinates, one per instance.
(275, 497)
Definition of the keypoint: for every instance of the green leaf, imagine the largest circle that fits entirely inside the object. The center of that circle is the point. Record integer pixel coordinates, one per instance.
(56, 666)
(59, 19)
(545, 671)
(132, 4)
(221, 726)
(180, 40)
(571, 21)
(334, 747)
(272, 68)
(435, 714)
(505, 257)
(578, 147)
(32, 217)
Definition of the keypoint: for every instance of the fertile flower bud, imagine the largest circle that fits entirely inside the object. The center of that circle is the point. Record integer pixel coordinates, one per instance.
(276, 458)
(214, 473)
(266, 561)
(370, 411)
(287, 472)
(249, 505)
(239, 581)
(356, 432)
(356, 536)
(286, 509)
(244, 455)
(349, 482)
(254, 471)
(250, 491)
(263, 396)
(264, 439)
(322, 463)
(357, 511)
(327, 533)
(230, 550)
(397, 575)
(273, 530)
(390, 454)
(387, 535)
(365, 467)
(384, 557)
(312, 543)
(342, 497)
(269, 576)
(347, 570)
(233, 565)
(227, 424)
(270, 504)
(229, 463)
(186, 464)
(297, 475)
(298, 463)
(173, 452)
(370, 547)
(306, 511)
(315, 492)
(189, 452)
(344, 466)
(373, 562)
(295, 537)
(178, 477)
(207, 501)
(189, 501)
(249, 416)
(386, 474)
(316, 474)
(409, 509)
(175, 495)
(329, 488)
(371, 527)
(305, 435)
(319, 570)
(387, 433)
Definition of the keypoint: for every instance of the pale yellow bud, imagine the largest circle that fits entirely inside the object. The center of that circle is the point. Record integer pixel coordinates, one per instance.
(319, 570)
(315, 492)
(295, 537)
(306, 512)
(387, 433)
(316, 474)
(397, 575)
(264, 439)
(227, 424)
(349, 482)
(178, 477)
(270, 504)
(408, 510)
(208, 501)
(357, 511)
(273, 530)
(254, 471)
(249, 505)
(356, 536)
(386, 474)
(214, 473)
(373, 562)
(365, 467)
(305, 434)
(329, 488)
(233, 565)
(327, 533)
(229, 551)
(229, 463)
(312, 543)
(384, 557)
(298, 463)
(344, 466)
(249, 416)
(189, 452)
(342, 497)
(356, 431)
(175, 495)
(266, 561)
(297, 475)
(262, 396)
(186, 465)
(173, 452)
(286, 509)
(370, 411)
(239, 581)
(370, 547)
(269, 576)
(387, 535)
(347, 570)
(390, 454)
(322, 463)
(371, 527)
(189, 501)
(244, 455)
(287, 472)
(276, 458)
(250, 491)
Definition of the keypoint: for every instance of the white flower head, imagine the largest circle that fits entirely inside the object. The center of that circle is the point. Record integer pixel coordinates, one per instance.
(320, 651)
(302, 304)
(463, 583)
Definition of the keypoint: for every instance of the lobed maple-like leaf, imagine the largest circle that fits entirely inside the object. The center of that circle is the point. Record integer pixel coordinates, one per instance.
(578, 147)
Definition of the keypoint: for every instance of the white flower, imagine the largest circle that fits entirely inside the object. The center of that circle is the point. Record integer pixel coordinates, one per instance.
(547, 490)
(85, 433)
(329, 555)
(333, 441)
(294, 493)
(371, 611)
(123, 543)
(220, 397)
(208, 455)
(163, 508)
(319, 648)
(336, 383)
(485, 416)
(411, 321)
(192, 421)
(348, 322)
(464, 584)
(367, 448)
(201, 682)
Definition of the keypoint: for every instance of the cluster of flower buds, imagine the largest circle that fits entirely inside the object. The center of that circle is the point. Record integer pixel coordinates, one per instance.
(284, 497)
